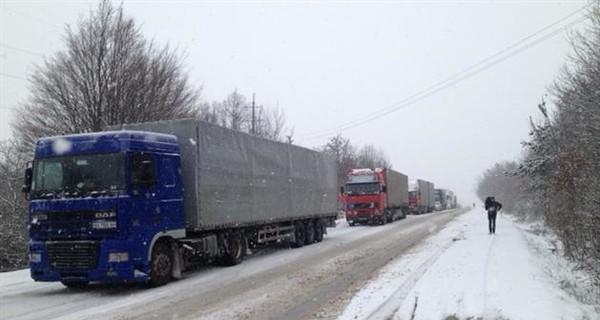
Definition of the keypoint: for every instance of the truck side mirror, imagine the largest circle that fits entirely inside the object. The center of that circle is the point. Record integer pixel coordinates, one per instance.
(28, 178)
(341, 190)
(384, 189)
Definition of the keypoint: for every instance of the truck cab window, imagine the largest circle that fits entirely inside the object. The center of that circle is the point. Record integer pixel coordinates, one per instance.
(143, 171)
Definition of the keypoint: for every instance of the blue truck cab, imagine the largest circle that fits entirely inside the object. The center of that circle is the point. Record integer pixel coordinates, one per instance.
(98, 202)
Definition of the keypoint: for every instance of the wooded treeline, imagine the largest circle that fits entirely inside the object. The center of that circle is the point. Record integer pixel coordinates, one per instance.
(558, 179)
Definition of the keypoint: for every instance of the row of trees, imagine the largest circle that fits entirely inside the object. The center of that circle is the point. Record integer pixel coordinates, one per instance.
(349, 156)
(560, 172)
(510, 189)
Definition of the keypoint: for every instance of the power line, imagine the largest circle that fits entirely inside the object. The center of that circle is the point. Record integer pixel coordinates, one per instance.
(12, 76)
(21, 50)
(461, 76)
(31, 17)
(439, 87)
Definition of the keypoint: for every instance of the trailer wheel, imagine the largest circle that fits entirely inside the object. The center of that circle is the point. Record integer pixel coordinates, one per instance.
(235, 249)
(161, 265)
(310, 232)
(299, 234)
(319, 230)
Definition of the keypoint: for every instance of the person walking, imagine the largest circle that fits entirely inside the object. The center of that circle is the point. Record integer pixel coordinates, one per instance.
(492, 207)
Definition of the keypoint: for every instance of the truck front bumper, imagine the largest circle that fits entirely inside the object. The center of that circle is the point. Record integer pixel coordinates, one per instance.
(86, 261)
(367, 216)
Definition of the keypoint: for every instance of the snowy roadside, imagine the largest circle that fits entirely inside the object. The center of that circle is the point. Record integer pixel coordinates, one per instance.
(464, 273)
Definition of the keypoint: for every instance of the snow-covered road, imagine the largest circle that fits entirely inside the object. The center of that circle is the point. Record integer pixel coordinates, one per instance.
(434, 266)
(313, 281)
(465, 272)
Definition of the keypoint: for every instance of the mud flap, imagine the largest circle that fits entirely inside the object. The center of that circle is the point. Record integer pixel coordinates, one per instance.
(177, 261)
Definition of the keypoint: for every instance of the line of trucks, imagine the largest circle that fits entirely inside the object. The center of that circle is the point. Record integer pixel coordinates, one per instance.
(145, 202)
(383, 195)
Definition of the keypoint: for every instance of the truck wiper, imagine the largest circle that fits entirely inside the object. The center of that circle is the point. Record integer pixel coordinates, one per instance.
(47, 195)
(98, 193)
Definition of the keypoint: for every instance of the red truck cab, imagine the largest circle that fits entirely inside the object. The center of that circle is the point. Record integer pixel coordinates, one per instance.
(365, 197)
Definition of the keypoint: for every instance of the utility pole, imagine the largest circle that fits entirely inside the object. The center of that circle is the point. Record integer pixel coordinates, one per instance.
(253, 115)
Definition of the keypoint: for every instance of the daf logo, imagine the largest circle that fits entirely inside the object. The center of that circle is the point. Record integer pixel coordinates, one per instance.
(110, 214)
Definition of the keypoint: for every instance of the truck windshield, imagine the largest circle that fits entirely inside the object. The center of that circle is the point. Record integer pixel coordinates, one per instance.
(78, 176)
(362, 188)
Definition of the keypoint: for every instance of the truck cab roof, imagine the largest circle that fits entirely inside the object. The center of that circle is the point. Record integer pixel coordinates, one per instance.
(105, 142)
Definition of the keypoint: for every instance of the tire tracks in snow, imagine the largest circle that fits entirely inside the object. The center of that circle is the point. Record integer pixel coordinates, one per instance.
(486, 275)
(390, 306)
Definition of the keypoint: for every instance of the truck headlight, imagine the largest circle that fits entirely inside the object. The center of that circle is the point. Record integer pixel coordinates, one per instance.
(35, 257)
(118, 257)
(104, 224)
(372, 205)
(35, 218)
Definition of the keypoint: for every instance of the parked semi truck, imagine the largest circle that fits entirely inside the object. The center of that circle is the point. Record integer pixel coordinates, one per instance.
(441, 199)
(379, 195)
(144, 203)
(420, 197)
(450, 200)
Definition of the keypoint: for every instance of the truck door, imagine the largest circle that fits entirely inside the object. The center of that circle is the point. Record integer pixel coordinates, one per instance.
(156, 188)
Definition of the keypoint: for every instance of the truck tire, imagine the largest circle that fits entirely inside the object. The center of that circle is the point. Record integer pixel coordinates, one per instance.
(383, 219)
(310, 232)
(161, 265)
(299, 234)
(319, 230)
(235, 249)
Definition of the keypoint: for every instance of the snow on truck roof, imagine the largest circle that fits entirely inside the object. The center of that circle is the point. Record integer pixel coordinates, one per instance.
(366, 171)
(105, 141)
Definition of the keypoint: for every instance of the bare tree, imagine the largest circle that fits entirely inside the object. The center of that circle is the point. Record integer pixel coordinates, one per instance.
(107, 74)
(344, 153)
(270, 124)
(507, 187)
(372, 157)
(234, 111)
(211, 112)
(13, 229)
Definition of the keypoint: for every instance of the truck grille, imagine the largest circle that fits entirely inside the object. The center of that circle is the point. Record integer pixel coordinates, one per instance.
(69, 255)
(361, 206)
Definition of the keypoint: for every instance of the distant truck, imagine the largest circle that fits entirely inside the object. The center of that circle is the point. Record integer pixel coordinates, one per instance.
(145, 203)
(420, 197)
(451, 200)
(440, 196)
(375, 196)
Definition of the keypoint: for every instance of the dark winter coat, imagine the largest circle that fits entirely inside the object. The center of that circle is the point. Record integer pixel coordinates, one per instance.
(492, 205)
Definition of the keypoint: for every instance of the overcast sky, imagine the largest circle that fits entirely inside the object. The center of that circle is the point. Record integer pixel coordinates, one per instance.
(327, 64)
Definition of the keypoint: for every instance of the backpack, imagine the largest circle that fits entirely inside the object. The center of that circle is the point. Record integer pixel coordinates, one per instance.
(489, 201)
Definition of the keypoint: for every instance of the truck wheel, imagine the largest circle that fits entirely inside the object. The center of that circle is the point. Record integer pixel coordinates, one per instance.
(319, 230)
(236, 248)
(351, 223)
(310, 232)
(161, 265)
(299, 234)
(383, 219)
